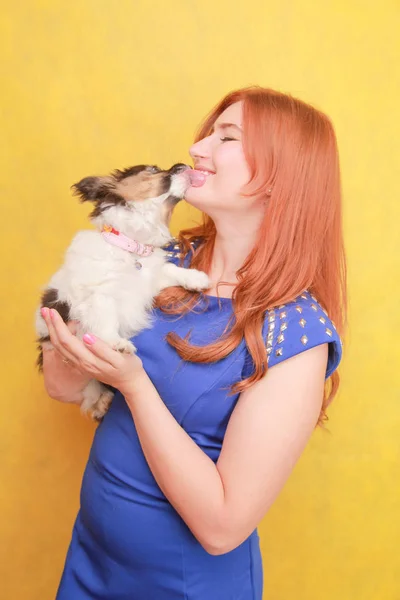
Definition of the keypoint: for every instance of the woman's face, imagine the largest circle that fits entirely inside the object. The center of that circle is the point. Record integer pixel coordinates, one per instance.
(221, 155)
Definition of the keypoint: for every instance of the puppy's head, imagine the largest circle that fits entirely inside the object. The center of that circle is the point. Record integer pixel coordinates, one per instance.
(137, 199)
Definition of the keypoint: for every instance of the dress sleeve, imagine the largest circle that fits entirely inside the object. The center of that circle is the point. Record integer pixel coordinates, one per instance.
(299, 326)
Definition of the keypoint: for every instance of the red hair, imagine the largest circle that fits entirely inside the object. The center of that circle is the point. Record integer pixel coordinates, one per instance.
(291, 149)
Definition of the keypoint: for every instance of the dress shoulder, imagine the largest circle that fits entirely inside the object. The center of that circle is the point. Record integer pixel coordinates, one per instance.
(298, 326)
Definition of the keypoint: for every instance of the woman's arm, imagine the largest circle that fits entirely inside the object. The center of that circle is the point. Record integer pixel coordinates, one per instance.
(186, 475)
(266, 435)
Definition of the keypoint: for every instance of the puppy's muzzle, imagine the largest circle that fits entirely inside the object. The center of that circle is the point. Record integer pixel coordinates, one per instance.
(178, 168)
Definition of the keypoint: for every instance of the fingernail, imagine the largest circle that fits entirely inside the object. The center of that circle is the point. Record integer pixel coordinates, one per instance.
(44, 311)
(52, 313)
(88, 338)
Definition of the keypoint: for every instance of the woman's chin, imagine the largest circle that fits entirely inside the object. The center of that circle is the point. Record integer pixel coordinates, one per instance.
(195, 198)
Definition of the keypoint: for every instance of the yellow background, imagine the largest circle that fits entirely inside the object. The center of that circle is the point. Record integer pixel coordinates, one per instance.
(91, 85)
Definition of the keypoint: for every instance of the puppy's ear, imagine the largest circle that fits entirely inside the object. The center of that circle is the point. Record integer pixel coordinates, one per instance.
(87, 189)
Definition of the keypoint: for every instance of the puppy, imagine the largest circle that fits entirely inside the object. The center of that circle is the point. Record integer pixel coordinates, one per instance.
(111, 275)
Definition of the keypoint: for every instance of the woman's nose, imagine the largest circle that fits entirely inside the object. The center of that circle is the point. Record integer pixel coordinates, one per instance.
(199, 150)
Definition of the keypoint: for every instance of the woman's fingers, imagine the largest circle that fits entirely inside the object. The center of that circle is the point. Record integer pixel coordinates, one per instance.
(103, 351)
(54, 357)
(53, 335)
(55, 341)
(73, 326)
(102, 358)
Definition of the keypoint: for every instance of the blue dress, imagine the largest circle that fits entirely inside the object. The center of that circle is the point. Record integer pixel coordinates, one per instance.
(128, 542)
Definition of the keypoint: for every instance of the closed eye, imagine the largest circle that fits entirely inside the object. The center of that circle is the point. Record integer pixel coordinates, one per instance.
(228, 139)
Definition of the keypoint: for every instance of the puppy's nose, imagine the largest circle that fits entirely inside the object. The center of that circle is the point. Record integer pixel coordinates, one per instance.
(178, 168)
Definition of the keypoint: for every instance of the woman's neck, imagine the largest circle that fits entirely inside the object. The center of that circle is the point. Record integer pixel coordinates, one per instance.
(231, 248)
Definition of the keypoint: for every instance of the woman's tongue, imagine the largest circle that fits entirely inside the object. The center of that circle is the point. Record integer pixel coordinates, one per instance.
(197, 178)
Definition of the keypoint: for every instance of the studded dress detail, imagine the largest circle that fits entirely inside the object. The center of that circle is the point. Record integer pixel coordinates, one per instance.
(128, 542)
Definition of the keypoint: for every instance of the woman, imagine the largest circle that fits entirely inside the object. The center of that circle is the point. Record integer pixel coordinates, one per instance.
(227, 387)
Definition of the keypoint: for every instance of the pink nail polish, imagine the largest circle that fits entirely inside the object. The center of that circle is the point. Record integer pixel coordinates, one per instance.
(89, 338)
(44, 311)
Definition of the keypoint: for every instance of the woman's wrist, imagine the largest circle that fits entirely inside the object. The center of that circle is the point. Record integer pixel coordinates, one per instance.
(136, 386)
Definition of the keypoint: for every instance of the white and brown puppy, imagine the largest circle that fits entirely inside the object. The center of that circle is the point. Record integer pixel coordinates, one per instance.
(111, 275)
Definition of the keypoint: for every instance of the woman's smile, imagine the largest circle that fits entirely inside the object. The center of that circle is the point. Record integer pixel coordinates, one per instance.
(198, 177)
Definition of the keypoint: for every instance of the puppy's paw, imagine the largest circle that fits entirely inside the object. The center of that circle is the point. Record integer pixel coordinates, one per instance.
(196, 280)
(124, 345)
(102, 405)
(91, 396)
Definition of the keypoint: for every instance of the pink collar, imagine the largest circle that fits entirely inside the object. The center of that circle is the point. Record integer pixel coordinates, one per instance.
(123, 241)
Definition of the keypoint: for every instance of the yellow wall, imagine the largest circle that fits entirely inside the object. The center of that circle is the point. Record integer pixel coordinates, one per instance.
(92, 85)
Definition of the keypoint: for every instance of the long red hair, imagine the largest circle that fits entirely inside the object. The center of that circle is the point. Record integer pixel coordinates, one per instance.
(291, 149)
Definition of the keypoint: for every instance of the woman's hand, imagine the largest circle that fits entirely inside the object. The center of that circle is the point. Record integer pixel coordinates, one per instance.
(62, 380)
(93, 356)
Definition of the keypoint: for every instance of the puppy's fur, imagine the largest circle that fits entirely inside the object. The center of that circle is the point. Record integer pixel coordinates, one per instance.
(99, 284)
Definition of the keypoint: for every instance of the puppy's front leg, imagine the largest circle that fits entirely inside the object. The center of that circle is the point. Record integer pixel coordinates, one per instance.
(99, 315)
(190, 279)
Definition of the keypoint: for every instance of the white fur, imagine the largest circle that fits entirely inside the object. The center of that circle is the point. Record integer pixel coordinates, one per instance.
(106, 293)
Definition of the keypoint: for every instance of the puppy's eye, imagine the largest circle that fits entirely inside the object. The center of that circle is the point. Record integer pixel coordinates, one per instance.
(154, 169)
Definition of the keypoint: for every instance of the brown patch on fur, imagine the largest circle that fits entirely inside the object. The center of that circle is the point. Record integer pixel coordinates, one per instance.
(50, 300)
(100, 190)
(142, 186)
(39, 360)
